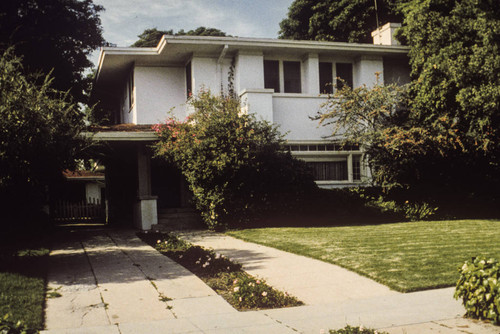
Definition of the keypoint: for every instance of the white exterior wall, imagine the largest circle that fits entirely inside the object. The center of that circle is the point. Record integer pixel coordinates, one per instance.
(204, 74)
(259, 102)
(158, 89)
(249, 72)
(364, 71)
(292, 111)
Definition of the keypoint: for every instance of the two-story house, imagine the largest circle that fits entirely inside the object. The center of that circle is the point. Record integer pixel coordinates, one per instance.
(281, 81)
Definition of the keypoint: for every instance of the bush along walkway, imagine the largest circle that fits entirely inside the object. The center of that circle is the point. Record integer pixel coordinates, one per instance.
(243, 291)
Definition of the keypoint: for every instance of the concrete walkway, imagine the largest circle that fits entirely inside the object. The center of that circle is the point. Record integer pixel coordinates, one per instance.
(111, 282)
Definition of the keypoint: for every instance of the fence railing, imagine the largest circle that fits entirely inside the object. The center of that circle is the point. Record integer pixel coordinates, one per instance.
(91, 211)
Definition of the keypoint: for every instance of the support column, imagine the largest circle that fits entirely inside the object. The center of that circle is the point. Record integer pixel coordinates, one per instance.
(310, 73)
(145, 211)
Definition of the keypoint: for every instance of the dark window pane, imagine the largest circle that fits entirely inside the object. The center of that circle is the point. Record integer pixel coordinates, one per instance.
(303, 148)
(271, 75)
(356, 168)
(329, 171)
(325, 78)
(344, 72)
(291, 74)
(131, 90)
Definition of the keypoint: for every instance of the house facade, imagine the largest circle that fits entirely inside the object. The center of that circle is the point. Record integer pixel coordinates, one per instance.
(281, 81)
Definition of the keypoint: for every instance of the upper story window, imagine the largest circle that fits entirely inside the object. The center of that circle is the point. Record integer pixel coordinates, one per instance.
(272, 75)
(325, 78)
(282, 76)
(343, 73)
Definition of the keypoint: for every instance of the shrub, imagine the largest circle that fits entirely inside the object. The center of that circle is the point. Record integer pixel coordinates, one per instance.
(355, 330)
(479, 288)
(418, 211)
(235, 165)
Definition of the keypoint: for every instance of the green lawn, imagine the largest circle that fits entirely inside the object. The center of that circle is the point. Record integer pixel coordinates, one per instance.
(406, 256)
(22, 285)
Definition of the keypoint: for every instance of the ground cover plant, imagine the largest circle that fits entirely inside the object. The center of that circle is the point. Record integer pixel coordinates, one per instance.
(22, 286)
(226, 277)
(406, 257)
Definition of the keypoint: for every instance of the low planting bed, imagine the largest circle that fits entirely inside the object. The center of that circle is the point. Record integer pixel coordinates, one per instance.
(243, 291)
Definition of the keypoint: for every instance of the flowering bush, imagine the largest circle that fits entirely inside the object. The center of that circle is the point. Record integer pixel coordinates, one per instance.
(235, 165)
(249, 292)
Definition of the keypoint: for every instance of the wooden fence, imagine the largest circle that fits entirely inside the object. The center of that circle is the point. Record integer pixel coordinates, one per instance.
(92, 211)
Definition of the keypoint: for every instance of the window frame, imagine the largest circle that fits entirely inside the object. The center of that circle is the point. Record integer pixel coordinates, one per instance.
(281, 74)
(335, 76)
(350, 155)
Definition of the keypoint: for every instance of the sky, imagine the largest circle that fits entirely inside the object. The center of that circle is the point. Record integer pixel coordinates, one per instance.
(123, 20)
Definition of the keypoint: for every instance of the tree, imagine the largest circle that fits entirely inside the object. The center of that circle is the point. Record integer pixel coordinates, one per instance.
(53, 36)
(339, 21)
(235, 165)
(151, 37)
(39, 135)
(455, 63)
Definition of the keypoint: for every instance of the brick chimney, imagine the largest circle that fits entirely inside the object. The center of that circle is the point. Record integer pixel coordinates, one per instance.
(385, 34)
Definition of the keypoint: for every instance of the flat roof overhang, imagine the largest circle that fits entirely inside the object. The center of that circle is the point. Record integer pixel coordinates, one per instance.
(115, 62)
(121, 136)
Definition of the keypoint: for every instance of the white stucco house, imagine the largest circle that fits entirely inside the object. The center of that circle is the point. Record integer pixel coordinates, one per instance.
(281, 81)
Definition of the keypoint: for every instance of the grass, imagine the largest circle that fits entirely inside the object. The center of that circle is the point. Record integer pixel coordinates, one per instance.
(22, 283)
(404, 256)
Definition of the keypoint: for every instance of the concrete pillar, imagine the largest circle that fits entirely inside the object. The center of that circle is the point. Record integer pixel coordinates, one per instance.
(310, 73)
(145, 211)
(249, 71)
(364, 71)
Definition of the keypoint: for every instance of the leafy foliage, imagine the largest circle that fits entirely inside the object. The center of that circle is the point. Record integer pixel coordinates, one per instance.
(234, 164)
(479, 288)
(455, 90)
(455, 60)
(39, 134)
(151, 37)
(355, 330)
(378, 119)
(53, 36)
(340, 21)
